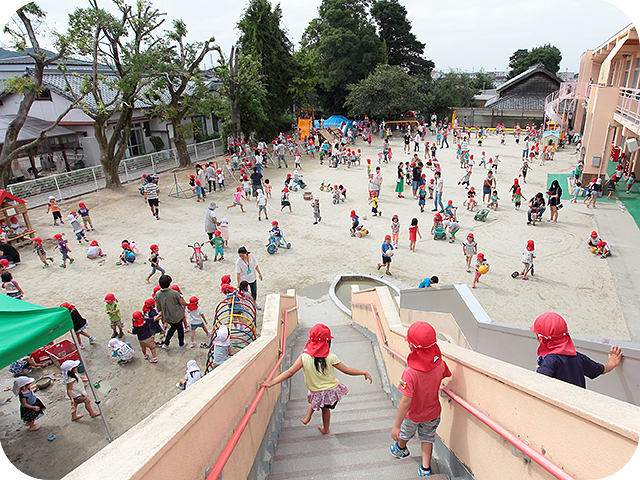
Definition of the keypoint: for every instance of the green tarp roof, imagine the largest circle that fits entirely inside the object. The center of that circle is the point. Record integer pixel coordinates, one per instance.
(25, 327)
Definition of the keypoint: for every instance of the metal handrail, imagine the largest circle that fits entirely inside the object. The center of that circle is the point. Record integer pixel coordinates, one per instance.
(216, 471)
(536, 456)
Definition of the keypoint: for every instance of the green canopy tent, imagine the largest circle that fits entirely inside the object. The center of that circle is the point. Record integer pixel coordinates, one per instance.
(25, 327)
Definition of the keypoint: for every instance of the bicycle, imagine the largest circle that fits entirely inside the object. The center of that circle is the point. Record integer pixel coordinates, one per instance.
(197, 256)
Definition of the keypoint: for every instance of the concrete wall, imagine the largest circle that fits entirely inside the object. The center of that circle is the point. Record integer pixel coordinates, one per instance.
(597, 134)
(516, 344)
(490, 117)
(185, 436)
(587, 434)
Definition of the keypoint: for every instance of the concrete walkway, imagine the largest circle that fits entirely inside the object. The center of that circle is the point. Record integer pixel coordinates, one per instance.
(358, 446)
(618, 228)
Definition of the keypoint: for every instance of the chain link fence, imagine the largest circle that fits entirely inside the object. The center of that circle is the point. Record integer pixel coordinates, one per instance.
(79, 182)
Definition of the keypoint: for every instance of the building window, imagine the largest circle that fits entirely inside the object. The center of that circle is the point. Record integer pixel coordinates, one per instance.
(636, 74)
(136, 141)
(44, 95)
(626, 74)
(147, 129)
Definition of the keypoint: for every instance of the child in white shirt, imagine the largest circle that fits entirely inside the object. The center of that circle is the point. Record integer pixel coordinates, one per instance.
(196, 318)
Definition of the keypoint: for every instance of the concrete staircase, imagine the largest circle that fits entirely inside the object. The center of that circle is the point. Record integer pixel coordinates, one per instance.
(358, 446)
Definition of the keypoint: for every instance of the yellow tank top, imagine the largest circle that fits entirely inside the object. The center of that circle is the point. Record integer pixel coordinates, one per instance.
(315, 380)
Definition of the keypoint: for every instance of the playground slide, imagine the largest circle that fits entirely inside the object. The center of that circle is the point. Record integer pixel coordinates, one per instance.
(325, 134)
(304, 127)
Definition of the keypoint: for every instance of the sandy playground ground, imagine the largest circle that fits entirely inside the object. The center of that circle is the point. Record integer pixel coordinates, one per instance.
(568, 279)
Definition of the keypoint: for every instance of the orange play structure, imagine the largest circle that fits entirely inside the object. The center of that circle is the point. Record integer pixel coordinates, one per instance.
(305, 121)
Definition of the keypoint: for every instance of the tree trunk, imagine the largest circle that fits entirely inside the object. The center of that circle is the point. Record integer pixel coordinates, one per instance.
(111, 176)
(181, 147)
(235, 117)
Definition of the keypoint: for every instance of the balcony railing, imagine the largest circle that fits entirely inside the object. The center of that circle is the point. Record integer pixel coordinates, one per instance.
(629, 104)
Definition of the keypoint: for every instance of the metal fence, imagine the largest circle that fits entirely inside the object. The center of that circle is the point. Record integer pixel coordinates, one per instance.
(79, 182)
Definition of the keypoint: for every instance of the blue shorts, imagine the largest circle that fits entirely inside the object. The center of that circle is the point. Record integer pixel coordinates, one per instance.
(415, 184)
(195, 327)
(219, 251)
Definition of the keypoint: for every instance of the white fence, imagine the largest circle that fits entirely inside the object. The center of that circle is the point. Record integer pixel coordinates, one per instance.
(78, 182)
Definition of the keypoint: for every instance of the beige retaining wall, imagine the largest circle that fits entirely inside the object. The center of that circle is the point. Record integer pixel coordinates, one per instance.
(185, 436)
(587, 434)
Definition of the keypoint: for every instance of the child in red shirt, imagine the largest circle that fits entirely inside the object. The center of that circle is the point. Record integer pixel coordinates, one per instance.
(419, 408)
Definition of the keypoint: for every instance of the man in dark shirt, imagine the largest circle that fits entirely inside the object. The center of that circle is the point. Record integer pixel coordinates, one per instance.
(536, 205)
(416, 174)
(256, 181)
(9, 253)
(171, 307)
(557, 356)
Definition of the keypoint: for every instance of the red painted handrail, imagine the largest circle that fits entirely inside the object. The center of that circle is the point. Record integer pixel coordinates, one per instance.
(216, 471)
(536, 456)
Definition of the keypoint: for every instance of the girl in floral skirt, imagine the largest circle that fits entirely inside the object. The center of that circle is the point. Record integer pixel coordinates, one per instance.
(318, 364)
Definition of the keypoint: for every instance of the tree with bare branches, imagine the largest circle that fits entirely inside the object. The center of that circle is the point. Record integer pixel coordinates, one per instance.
(129, 46)
(24, 32)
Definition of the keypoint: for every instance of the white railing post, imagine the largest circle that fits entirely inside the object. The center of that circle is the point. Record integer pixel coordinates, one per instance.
(55, 179)
(126, 171)
(95, 179)
(213, 145)
(10, 190)
(195, 149)
(153, 166)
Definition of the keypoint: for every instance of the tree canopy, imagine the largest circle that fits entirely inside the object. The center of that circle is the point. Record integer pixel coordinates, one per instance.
(451, 90)
(403, 47)
(262, 37)
(547, 54)
(347, 46)
(386, 93)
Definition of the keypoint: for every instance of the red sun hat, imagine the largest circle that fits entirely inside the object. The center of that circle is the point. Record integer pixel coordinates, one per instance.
(274, 223)
(353, 213)
(176, 288)
(193, 304)
(450, 202)
(138, 319)
(530, 246)
(68, 306)
(553, 334)
(217, 232)
(4, 262)
(594, 234)
(481, 256)
(238, 189)
(155, 290)
(192, 176)
(57, 236)
(387, 237)
(318, 343)
(425, 354)
(36, 240)
(153, 247)
(109, 297)
(470, 235)
(518, 191)
(472, 189)
(82, 205)
(94, 243)
(601, 244)
(149, 303)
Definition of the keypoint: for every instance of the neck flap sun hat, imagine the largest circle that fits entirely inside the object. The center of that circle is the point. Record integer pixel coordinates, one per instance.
(552, 331)
(425, 354)
(192, 366)
(318, 343)
(20, 382)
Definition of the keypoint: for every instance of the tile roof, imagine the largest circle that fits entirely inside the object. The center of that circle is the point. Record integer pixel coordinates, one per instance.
(539, 68)
(518, 101)
(32, 128)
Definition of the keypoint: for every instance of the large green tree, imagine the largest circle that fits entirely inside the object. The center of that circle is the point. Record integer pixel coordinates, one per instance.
(262, 38)
(450, 91)
(386, 93)
(347, 45)
(482, 81)
(180, 89)
(25, 32)
(547, 54)
(127, 43)
(403, 47)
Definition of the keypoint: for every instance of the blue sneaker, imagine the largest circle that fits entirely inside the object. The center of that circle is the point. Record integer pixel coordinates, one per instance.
(422, 472)
(398, 452)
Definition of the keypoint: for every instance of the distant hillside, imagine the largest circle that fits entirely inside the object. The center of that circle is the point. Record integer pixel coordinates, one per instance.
(4, 53)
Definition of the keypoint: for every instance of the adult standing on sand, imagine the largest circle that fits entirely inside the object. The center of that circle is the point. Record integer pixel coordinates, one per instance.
(246, 269)
(171, 307)
(488, 186)
(211, 220)
(376, 181)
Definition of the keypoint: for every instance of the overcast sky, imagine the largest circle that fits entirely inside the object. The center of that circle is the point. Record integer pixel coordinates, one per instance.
(466, 34)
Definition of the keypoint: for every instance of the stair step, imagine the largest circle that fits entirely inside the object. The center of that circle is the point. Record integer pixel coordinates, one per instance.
(376, 404)
(338, 425)
(391, 468)
(316, 442)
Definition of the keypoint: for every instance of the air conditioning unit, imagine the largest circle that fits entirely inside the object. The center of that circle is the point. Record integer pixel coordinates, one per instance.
(632, 144)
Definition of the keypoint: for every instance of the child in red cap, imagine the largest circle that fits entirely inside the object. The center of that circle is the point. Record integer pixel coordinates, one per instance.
(237, 199)
(469, 248)
(142, 330)
(414, 233)
(557, 356)
(482, 267)
(527, 259)
(419, 409)
(154, 260)
(387, 253)
(318, 364)
(113, 312)
(196, 318)
(61, 244)
(86, 218)
(39, 249)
